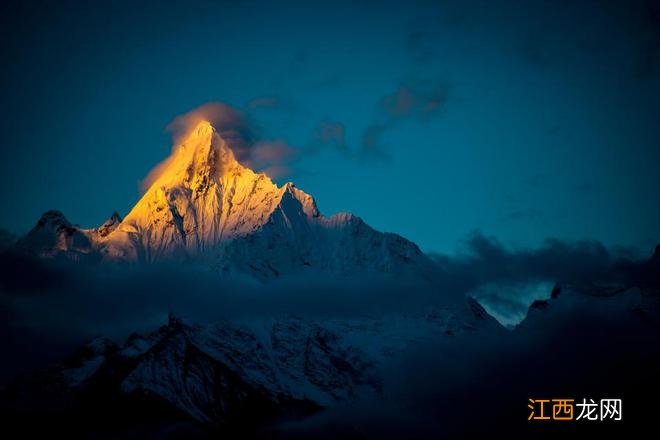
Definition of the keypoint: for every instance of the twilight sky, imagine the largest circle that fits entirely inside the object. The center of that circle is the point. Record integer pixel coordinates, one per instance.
(524, 120)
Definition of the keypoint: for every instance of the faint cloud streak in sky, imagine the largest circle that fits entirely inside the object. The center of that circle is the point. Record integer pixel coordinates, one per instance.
(413, 101)
(332, 133)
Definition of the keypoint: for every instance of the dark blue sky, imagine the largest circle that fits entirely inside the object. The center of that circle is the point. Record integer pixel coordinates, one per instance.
(524, 120)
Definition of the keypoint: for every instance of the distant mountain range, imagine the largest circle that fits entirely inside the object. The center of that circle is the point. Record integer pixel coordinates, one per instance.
(204, 205)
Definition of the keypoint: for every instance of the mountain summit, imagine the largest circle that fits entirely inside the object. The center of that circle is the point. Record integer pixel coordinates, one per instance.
(202, 196)
(203, 204)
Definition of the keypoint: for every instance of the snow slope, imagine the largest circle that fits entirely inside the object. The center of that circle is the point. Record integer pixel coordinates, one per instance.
(204, 205)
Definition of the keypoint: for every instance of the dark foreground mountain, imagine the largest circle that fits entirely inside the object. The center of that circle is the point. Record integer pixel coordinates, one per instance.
(229, 376)
(444, 372)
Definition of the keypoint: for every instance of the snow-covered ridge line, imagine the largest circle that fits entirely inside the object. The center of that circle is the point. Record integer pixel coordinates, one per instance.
(204, 204)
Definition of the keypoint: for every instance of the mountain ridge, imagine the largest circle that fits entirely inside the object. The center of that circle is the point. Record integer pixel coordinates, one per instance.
(202, 204)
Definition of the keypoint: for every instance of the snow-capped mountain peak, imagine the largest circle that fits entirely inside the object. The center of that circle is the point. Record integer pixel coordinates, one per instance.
(54, 235)
(200, 196)
(109, 225)
(202, 202)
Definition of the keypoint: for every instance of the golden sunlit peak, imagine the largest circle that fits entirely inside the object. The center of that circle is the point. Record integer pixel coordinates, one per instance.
(202, 128)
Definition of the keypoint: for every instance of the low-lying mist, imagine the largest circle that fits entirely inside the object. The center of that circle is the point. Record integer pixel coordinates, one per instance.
(50, 307)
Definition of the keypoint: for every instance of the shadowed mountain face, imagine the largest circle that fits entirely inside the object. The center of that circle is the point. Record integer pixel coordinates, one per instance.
(230, 376)
(204, 205)
(387, 375)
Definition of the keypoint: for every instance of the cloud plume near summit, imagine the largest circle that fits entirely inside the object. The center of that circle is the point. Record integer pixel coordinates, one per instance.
(238, 131)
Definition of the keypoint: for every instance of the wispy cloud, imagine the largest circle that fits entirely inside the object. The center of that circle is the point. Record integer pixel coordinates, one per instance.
(414, 101)
(332, 133)
(410, 101)
(270, 156)
(263, 102)
(372, 142)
